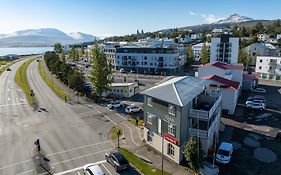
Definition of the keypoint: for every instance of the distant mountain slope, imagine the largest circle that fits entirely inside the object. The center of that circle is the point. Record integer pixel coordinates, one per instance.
(41, 37)
(82, 37)
(234, 18)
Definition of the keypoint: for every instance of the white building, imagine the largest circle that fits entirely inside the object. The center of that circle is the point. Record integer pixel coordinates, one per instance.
(197, 48)
(150, 59)
(224, 49)
(122, 90)
(268, 67)
(195, 36)
(226, 79)
(263, 37)
(260, 49)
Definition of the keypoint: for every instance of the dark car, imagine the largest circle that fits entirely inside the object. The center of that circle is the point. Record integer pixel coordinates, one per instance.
(9, 69)
(117, 160)
(278, 136)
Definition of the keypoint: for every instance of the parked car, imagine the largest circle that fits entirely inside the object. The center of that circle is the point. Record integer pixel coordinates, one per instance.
(117, 160)
(255, 105)
(224, 153)
(259, 90)
(133, 109)
(9, 69)
(257, 98)
(114, 105)
(278, 136)
(122, 70)
(92, 169)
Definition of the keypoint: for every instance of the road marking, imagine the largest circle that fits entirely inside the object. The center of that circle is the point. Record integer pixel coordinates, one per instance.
(121, 116)
(15, 104)
(14, 164)
(79, 157)
(106, 117)
(84, 146)
(8, 89)
(9, 99)
(79, 168)
(131, 134)
(78, 173)
(106, 169)
(29, 171)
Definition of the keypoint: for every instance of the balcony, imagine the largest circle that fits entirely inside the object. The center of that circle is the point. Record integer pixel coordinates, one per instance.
(205, 106)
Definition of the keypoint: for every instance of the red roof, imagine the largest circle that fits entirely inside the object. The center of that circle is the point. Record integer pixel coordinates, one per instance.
(223, 65)
(227, 82)
(251, 76)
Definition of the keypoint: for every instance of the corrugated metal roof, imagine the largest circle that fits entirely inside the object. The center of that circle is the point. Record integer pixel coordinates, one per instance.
(179, 91)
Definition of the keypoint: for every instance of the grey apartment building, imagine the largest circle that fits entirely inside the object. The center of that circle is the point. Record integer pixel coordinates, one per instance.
(178, 109)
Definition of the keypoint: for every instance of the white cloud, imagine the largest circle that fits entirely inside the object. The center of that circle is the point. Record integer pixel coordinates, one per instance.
(208, 18)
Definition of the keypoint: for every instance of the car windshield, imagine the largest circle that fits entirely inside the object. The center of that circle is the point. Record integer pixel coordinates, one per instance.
(223, 152)
(121, 159)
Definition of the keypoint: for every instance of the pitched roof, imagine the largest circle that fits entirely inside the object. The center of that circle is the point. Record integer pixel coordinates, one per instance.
(251, 76)
(179, 91)
(222, 65)
(226, 82)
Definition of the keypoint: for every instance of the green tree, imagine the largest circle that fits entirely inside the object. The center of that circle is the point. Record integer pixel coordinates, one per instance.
(62, 56)
(101, 71)
(193, 153)
(76, 57)
(259, 28)
(58, 48)
(204, 55)
(76, 81)
(81, 52)
(188, 56)
(241, 56)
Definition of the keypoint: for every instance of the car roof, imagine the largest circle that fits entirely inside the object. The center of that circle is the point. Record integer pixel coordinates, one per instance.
(96, 169)
(226, 146)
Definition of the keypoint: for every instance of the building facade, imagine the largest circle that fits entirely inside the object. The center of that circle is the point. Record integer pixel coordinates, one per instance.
(197, 49)
(268, 67)
(224, 49)
(188, 110)
(122, 90)
(149, 59)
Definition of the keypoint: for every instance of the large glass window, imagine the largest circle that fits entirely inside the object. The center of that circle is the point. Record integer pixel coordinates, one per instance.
(171, 150)
(149, 101)
(149, 118)
(171, 129)
(199, 124)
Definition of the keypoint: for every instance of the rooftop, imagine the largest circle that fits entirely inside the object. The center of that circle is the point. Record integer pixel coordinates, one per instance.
(120, 84)
(226, 82)
(223, 65)
(179, 90)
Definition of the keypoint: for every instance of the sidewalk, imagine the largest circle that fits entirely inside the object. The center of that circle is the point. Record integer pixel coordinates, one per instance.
(132, 139)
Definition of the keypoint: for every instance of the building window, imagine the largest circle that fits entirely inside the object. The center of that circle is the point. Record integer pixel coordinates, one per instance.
(149, 101)
(149, 136)
(149, 118)
(171, 109)
(171, 129)
(171, 150)
(260, 67)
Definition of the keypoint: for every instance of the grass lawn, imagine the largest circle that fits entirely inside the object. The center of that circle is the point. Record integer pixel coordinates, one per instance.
(49, 82)
(133, 121)
(145, 168)
(114, 131)
(21, 79)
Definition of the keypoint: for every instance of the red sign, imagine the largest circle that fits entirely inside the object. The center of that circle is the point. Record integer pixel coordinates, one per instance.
(170, 139)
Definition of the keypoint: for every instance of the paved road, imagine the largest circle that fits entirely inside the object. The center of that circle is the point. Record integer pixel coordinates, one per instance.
(70, 135)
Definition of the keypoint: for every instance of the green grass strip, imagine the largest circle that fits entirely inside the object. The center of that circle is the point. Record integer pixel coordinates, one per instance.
(21, 79)
(50, 83)
(144, 167)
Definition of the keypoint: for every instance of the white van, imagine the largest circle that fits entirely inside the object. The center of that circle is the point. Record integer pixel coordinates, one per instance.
(93, 169)
(224, 153)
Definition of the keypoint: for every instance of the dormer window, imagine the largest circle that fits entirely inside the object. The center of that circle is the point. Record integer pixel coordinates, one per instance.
(172, 109)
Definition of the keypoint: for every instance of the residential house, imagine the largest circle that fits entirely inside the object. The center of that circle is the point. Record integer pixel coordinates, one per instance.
(263, 37)
(269, 67)
(197, 49)
(178, 109)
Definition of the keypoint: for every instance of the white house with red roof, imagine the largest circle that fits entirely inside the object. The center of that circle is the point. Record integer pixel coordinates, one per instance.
(226, 79)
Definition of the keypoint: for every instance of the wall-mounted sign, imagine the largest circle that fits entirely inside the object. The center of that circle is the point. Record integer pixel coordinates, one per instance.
(170, 139)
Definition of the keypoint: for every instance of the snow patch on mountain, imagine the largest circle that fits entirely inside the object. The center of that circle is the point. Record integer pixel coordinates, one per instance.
(234, 18)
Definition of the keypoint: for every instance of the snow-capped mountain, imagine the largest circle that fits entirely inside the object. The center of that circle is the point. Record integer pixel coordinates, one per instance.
(82, 37)
(234, 18)
(41, 37)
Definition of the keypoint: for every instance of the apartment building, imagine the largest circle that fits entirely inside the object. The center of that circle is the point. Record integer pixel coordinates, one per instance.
(268, 67)
(224, 49)
(260, 49)
(263, 37)
(150, 59)
(197, 49)
(109, 49)
(188, 109)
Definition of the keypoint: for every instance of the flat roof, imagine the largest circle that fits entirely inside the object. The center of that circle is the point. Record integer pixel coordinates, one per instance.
(120, 84)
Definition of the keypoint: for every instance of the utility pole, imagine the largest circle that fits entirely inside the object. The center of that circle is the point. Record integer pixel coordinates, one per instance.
(118, 134)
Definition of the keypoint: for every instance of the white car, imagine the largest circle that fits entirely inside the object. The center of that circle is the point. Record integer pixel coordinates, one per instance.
(224, 153)
(255, 105)
(259, 90)
(257, 98)
(92, 169)
(114, 105)
(133, 109)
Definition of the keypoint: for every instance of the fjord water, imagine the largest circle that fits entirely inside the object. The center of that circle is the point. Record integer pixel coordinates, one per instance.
(24, 50)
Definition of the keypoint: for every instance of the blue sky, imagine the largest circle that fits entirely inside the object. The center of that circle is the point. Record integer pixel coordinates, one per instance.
(113, 17)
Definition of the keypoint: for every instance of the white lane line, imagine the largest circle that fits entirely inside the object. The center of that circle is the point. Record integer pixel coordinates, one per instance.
(131, 134)
(106, 169)
(79, 168)
(8, 89)
(9, 99)
(78, 173)
(121, 116)
(29, 171)
(106, 117)
(22, 162)
(79, 157)
(84, 146)
(15, 104)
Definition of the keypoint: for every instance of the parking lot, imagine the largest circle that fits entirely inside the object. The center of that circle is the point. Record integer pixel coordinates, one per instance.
(252, 133)
(105, 166)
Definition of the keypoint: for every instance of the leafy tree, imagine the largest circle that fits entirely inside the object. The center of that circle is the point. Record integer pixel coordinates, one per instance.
(189, 56)
(241, 56)
(76, 57)
(82, 52)
(259, 27)
(193, 153)
(58, 48)
(62, 56)
(76, 81)
(204, 55)
(101, 71)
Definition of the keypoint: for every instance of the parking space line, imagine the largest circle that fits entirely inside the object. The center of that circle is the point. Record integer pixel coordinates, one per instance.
(106, 169)
(78, 173)
(29, 171)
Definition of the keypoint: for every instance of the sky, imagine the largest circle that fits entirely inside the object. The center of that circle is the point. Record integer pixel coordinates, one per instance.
(104, 18)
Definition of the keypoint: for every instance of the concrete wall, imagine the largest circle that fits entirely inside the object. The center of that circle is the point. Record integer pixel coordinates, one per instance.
(229, 99)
